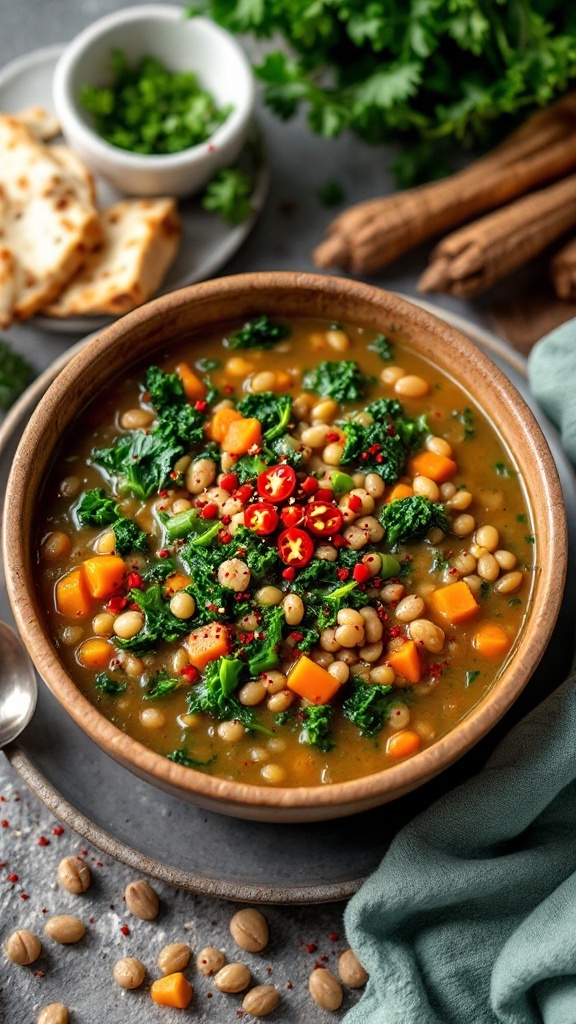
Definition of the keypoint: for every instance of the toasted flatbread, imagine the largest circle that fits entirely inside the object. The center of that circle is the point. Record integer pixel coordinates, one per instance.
(140, 240)
(39, 121)
(46, 223)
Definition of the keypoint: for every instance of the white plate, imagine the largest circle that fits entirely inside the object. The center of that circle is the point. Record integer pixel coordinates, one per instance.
(207, 242)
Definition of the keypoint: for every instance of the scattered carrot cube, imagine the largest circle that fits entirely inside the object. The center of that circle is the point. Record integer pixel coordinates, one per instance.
(403, 744)
(172, 990)
(406, 662)
(104, 574)
(312, 682)
(490, 640)
(436, 467)
(206, 644)
(399, 491)
(95, 653)
(221, 420)
(242, 435)
(73, 597)
(177, 581)
(456, 602)
(194, 388)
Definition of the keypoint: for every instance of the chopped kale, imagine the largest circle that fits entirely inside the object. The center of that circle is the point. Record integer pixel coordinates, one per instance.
(248, 467)
(214, 695)
(16, 374)
(105, 684)
(262, 651)
(309, 637)
(260, 556)
(318, 573)
(159, 571)
(343, 381)
(316, 731)
(368, 707)
(334, 600)
(160, 625)
(96, 508)
(160, 685)
(181, 756)
(382, 346)
(261, 332)
(384, 445)
(439, 561)
(410, 519)
(185, 523)
(273, 412)
(287, 449)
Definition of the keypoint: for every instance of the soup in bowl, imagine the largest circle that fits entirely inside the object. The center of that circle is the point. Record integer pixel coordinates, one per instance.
(281, 551)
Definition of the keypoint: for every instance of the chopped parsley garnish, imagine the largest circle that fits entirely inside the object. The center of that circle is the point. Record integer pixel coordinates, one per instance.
(503, 470)
(521, 517)
(181, 756)
(485, 589)
(530, 538)
(261, 332)
(229, 194)
(409, 519)
(105, 684)
(439, 561)
(343, 381)
(161, 685)
(514, 602)
(383, 347)
(472, 676)
(466, 418)
(16, 374)
(368, 707)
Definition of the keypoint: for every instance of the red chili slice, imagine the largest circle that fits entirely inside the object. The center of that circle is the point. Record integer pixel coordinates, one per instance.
(295, 547)
(261, 517)
(323, 518)
(292, 515)
(276, 483)
(323, 494)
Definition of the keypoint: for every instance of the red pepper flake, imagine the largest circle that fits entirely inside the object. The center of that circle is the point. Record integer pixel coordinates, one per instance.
(2, 799)
(24, 896)
(229, 482)
(40, 974)
(324, 958)
(311, 947)
(361, 573)
(44, 910)
(268, 970)
(374, 449)
(174, 475)
(225, 536)
(210, 511)
(289, 984)
(226, 520)
(125, 929)
(116, 604)
(99, 864)
(42, 841)
(190, 673)
(163, 494)
(333, 936)
(208, 995)
(318, 964)
(228, 389)
(91, 920)
(12, 878)
(296, 637)
(135, 581)
(200, 405)
(436, 670)
(452, 571)
(310, 485)
(5, 823)
(164, 553)
(354, 503)
(57, 830)
(342, 574)
(333, 436)
(84, 853)
(288, 574)
(394, 632)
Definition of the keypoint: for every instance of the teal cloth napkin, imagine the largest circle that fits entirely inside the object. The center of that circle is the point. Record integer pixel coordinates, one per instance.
(471, 916)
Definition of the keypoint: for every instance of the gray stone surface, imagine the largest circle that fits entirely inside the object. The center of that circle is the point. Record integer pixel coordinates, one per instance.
(80, 976)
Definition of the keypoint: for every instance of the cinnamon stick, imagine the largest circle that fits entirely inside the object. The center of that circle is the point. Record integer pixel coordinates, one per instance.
(371, 234)
(563, 272)
(472, 259)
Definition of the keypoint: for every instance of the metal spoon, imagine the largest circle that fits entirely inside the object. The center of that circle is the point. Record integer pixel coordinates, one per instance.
(18, 686)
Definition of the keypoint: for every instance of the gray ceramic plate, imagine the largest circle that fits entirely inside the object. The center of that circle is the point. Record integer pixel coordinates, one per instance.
(219, 856)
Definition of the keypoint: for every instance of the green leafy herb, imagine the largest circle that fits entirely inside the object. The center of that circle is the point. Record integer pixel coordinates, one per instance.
(382, 346)
(384, 445)
(485, 589)
(181, 756)
(343, 381)
(96, 508)
(521, 517)
(368, 707)
(530, 538)
(409, 519)
(16, 374)
(262, 652)
(503, 470)
(161, 684)
(206, 365)
(214, 695)
(425, 75)
(472, 676)
(272, 410)
(105, 684)
(331, 194)
(439, 561)
(229, 194)
(160, 625)
(149, 109)
(316, 727)
(514, 602)
(261, 332)
(159, 571)
(248, 467)
(129, 536)
(466, 418)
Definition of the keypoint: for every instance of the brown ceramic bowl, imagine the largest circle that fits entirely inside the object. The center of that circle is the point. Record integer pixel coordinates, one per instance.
(288, 294)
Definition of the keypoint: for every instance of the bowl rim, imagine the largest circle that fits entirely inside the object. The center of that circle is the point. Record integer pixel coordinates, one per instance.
(342, 797)
(67, 109)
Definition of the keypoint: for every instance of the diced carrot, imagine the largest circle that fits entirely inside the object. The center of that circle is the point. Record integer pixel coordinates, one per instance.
(176, 582)
(73, 598)
(437, 467)
(406, 662)
(194, 388)
(242, 435)
(403, 744)
(490, 640)
(172, 990)
(95, 653)
(221, 420)
(456, 602)
(399, 491)
(311, 681)
(104, 574)
(207, 644)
